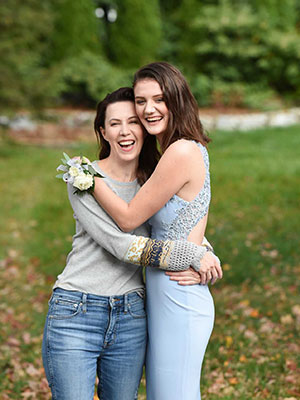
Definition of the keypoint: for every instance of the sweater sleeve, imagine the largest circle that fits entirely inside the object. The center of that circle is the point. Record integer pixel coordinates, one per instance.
(171, 255)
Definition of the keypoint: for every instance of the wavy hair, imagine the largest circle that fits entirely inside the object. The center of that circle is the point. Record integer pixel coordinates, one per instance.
(184, 121)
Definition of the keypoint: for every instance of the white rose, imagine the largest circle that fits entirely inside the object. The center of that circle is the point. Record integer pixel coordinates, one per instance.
(74, 171)
(83, 181)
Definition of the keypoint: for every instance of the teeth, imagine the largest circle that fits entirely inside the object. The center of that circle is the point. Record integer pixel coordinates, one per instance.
(126, 143)
(153, 119)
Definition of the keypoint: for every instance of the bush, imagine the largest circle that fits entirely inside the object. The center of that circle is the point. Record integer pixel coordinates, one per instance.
(88, 77)
(247, 44)
(234, 53)
(134, 39)
(25, 28)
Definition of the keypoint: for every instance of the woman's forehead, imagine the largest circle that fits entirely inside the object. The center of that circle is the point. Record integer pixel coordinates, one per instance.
(120, 109)
(146, 87)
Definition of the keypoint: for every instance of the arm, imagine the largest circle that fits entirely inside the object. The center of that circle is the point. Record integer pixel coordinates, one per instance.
(210, 271)
(172, 172)
(167, 255)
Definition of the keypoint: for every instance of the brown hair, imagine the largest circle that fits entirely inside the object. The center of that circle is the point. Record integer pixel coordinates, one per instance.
(184, 122)
(149, 155)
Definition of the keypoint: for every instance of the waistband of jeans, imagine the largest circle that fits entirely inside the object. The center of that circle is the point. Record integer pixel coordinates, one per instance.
(87, 297)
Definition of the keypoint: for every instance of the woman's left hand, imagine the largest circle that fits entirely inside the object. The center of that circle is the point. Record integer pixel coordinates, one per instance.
(210, 269)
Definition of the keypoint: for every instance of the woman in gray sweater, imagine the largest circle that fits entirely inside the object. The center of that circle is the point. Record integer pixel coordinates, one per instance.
(96, 323)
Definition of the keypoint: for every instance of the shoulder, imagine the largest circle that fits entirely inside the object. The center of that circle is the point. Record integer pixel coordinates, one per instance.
(183, 150)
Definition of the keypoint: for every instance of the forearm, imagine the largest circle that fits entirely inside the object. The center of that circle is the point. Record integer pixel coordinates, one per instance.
(170, 255)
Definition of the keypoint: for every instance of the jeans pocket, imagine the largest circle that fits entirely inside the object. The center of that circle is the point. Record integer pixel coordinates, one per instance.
(137, 309)
(63, 308)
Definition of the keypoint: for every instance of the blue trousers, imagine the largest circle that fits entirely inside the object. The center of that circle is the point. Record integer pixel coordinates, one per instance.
(87, 335)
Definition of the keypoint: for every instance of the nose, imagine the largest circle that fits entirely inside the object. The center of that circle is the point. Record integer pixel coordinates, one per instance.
(149, 107)
(124, 131)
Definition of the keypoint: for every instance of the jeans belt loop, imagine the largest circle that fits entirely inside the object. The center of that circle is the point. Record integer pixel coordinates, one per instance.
(125, 303)
(49, 302)
(83, 301)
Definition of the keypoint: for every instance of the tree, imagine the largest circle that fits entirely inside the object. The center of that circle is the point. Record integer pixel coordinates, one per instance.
(233, 48)
(76, 29)
(134, 38)
(25, 28)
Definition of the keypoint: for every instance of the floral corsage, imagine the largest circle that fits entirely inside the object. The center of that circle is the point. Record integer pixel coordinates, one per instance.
(79, 172)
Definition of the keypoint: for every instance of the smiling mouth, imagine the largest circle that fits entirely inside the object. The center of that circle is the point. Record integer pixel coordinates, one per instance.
(126, 144)
(153, 119)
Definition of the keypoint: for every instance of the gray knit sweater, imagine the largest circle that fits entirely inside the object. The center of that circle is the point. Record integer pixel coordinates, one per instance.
(103, 259)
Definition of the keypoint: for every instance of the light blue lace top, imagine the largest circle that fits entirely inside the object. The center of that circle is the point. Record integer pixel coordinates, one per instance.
(177, 217)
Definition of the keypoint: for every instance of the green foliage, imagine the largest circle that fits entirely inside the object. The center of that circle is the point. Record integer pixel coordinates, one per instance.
(89, 77)
(234, 53)
(25, 29)
(250, 44)
(75, 29)
(134, 39)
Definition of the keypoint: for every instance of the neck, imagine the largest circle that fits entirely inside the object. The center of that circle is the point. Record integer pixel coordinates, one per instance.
(159, 138)
(123, 171)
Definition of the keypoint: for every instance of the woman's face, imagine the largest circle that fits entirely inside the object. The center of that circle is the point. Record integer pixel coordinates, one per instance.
(151, 107)
(123, 131)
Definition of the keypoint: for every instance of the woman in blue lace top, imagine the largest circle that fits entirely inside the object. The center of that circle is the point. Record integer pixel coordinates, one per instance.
(175, 200)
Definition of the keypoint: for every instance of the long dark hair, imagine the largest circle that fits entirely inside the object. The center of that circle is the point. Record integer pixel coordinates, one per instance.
(149, 155)
(184, 121)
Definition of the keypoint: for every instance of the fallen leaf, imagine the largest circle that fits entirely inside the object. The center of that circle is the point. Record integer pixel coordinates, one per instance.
(286, 319)
(254, 313)
(291, 365)
(233, 381)
(228, 340)
(296, 310)
(243, 358)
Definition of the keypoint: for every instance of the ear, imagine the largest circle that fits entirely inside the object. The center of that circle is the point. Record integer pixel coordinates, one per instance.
(102, 130)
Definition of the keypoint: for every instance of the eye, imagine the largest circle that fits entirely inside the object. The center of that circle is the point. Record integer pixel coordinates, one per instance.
(114, 124)
(140, 102)
(160, 100)
(134, 121)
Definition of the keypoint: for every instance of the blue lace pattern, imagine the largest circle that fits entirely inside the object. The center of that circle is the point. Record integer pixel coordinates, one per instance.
(190, 213)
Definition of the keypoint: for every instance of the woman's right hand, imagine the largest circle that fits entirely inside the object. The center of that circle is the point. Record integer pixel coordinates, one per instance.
(210, 269)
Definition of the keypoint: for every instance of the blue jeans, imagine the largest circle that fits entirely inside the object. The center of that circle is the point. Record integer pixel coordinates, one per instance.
(87, 335)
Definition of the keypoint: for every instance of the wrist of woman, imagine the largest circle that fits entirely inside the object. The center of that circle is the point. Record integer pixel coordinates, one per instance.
(199, 254)
(208, 248)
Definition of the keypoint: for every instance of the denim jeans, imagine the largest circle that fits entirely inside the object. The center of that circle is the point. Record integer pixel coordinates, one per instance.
(87, 335)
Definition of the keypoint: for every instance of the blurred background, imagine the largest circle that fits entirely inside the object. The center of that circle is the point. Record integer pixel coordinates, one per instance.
(72, 52)
(58, 58)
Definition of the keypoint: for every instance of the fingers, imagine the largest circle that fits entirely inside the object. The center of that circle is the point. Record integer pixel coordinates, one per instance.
(203, 278)
(210, 276)
(210, 272)
(176, 275)
(215, 275)
(189, 273)
(218, 268)
(219, 271)
(184, 278)
(188, 283)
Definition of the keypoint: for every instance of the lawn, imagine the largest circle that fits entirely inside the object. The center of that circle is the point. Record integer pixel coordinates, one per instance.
(254, 352)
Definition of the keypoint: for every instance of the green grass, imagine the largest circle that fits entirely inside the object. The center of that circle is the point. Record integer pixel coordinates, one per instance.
(253, 225)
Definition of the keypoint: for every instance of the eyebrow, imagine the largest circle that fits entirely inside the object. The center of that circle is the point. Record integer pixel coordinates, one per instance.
(117, 119)
(143, 97)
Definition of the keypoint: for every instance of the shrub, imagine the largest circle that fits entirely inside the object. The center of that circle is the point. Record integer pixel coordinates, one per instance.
(242, 43)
